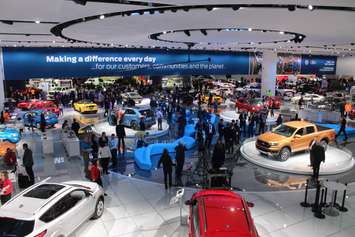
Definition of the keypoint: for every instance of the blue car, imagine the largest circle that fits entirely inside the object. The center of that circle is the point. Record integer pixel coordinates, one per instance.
(10, 134)
(131, 117)
(51, 118)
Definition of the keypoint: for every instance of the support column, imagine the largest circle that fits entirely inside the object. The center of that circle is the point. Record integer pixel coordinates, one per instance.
(2, 78)
(268, 76)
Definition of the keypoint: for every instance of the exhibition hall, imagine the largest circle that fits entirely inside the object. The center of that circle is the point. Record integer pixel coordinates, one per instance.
(177, 118)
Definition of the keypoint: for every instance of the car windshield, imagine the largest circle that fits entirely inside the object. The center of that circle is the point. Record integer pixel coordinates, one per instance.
(284, 130)
(146, 112)
(44, 191)
(13, 227)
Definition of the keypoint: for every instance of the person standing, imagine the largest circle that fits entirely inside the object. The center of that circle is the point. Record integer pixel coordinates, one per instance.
(279, 120)
(159, 115)
(142, 124)
(236, 133)
(27, 162)
(104, 153)
(210, 133)
(85, 147)
(121, 134)
(94, 146)
(95, 173)
(75, 127)
(251, 123)
(180, 161)
(165, 159)
(221, 129)
(317, 156)
(43, 122)
(218, 155)
(242, 120)
(342, 129)
(6, 187)
(228, 137)
(113, 144)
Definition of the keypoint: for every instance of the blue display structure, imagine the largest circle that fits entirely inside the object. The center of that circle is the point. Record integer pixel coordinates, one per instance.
(319, 65)
(26, 63)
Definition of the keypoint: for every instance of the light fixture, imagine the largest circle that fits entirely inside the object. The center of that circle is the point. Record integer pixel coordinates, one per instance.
(235, 8)
(80, 2)
(282, 33)
(37, 22)
(186, 9)
(310, 7)
(291, 8)
(187, 33)
(174, 10)
(53, 41)
(209, 8)
(151, 12)
(7, 22)
(204, 32)
(102, 17)
(161, 11)
(250, 29)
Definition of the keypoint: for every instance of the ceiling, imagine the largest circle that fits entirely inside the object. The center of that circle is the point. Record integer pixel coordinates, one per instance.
(328, 29)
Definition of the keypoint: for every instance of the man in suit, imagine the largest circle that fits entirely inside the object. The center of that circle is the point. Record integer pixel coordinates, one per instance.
(121, 134)
(317, 156)
(27, 162)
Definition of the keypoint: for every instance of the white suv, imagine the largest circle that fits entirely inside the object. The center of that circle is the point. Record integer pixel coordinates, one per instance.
(51, 209)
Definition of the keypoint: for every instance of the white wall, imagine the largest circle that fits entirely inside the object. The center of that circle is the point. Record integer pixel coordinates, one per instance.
(346, 66)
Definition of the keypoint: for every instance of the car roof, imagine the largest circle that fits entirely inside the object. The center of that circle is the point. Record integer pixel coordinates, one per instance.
(298, 124)
(224, 213)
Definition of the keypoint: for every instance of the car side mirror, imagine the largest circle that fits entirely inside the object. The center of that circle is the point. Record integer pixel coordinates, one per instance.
(250, 204)
(297, 136)
(190, 202)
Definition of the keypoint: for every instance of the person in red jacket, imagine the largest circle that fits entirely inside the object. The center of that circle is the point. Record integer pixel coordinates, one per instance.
(6, 187)
(95, 173)
(10, 157)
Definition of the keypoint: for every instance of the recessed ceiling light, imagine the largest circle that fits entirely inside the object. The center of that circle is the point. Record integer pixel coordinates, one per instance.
(37, 21)
(102, 17)
(288, 41)
(53, 41)
(282, 33)
(250, 29)
(310, 7)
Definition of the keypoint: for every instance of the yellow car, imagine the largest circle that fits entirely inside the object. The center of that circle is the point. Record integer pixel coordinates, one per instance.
(85, 106)
(205, 98)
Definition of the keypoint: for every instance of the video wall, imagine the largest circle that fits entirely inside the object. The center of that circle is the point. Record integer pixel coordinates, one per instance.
(26, 63)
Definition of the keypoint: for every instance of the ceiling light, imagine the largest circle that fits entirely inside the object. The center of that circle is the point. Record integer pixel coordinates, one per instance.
(174, 10)
(235, 8)
(80, 2)
(186, 9)
(37, 21)
(209, 8)
(282, 33)
(161, 11)
(187, 33)
(250, 29)
(53, 41)
(310, 7)
(7, 22)
(291, 8)
(102, 17)
(164, 32)
(204, 32)
(151, 12)
(288, 41)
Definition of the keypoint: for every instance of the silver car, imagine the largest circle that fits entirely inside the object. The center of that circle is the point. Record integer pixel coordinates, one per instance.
(51, 209)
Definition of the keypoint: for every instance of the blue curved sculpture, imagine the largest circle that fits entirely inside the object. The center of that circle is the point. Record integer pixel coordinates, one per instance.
(143, 155)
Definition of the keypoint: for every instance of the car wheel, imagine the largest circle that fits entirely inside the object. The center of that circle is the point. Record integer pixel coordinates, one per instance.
(134, 125)
(99, 208)
(324, 144)
(284, 154)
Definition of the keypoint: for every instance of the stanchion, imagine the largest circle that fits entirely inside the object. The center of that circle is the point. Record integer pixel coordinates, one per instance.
(321, 198)
(343, 208)
(325, 196)
(317, 208)
(305, 203)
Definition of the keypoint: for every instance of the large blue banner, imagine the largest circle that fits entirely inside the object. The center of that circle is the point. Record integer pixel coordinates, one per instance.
(26, 63)
(319, 65)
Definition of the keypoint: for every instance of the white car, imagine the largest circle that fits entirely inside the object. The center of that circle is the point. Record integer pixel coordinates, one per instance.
(51, 209)
(137, 98)
(308, 98)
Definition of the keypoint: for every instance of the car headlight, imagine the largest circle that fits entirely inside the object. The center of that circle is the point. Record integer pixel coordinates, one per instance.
(273, 143)
(14, 135)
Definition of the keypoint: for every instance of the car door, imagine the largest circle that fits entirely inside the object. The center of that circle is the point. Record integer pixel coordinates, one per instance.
(299, 140)
(128, 117)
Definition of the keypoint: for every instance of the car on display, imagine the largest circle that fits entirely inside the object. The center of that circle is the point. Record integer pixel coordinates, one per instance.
(252, 105)
(170, 83)
(220, 213)
(63, 90)
(10, 104)
(286, 94)
(291, 137)
(9, 134)
(35, 104)
(131, 117)
(308, 98)
(215, 97)
(273, 102)
(85, 106)
(51, 209)
(51, 118)
(130, 97)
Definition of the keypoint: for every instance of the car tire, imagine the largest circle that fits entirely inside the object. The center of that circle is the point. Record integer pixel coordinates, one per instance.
(324, 144)
(99, 208)
(284, 154)
(134, 125)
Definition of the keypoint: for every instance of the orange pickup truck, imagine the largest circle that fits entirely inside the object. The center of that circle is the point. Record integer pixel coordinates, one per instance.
(293, 137)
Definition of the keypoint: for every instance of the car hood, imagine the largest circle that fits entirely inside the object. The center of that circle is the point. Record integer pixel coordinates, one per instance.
(271, 137)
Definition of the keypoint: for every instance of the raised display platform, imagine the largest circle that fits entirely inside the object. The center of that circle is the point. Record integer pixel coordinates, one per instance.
(336, 160)
(153, 132)
(229, 115)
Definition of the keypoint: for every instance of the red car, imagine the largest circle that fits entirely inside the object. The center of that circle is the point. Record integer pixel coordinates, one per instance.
(352, 114)
(39, 104)
(220, 213)
(272, 102)
(253, 105)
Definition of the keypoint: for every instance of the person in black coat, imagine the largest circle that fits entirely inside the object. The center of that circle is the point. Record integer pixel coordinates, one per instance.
(142, 124)
(221, 129)
(317, 156)
(228, 137)
(121, 134)
(218, 155)
(43, 122)
(94, 146)
(210, 131)
(342, 129)
(180, 161)
(75, 127)
(165, 159)
(27, 162)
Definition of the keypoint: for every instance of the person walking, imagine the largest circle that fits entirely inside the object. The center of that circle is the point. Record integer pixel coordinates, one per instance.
(104, 153)
(180, 161)
(218, 155)
(6, 187)
(95, 173)
(121, 134)
(27, 162)
(342, 129)
(43, 122)
(165, 159)
(113, 144)
(317, 156)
